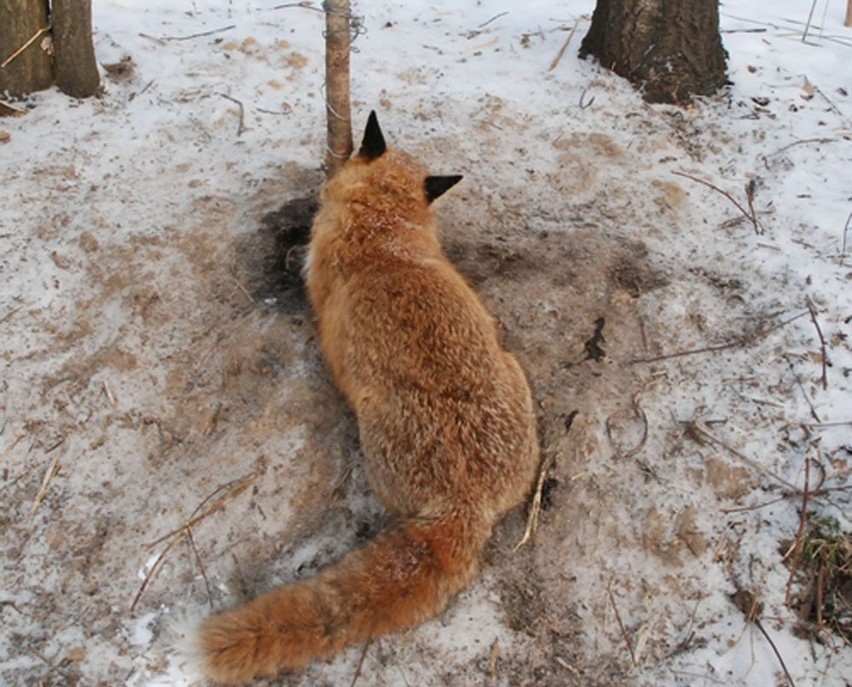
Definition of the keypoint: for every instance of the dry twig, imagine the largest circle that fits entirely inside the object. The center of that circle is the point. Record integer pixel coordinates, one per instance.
(50, 473)
(32, 39)
(813, 312)
(697, 430)
(796, 548)
(751, 216)
(564, 47)
(305, 5)
(229, 491)
(7, 109)
(751, 608)
(360, 664)
(108, 394)
(198, 35)
(742, 341)
(799, 143)
(621, 625)
(820, 425)
(197, 555)
(535, 508)
(494, 18)
(808, 23)
(241, 127)
(801, 386)
(846, 228)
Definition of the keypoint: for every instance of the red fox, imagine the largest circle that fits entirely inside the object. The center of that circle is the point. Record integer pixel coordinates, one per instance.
(445, 416)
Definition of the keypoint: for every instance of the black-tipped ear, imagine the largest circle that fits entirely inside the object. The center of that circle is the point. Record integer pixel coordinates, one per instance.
(373, 145)
(438, 186)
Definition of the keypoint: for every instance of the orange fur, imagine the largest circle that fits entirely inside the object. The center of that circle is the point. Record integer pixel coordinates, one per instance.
(445, 417)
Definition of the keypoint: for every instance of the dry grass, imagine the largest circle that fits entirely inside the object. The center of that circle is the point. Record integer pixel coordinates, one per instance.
(825, 577)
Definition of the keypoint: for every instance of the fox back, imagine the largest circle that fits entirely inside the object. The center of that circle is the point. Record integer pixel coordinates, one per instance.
(444, 413)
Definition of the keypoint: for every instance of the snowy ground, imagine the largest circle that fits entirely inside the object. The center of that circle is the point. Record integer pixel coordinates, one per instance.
(156, 365)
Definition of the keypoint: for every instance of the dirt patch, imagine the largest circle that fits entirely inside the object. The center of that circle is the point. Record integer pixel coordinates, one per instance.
(270, 260)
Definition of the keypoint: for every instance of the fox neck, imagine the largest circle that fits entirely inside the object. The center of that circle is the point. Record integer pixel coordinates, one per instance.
(379, 232)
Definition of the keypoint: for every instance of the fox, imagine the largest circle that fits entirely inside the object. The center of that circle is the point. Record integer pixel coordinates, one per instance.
(445, 418)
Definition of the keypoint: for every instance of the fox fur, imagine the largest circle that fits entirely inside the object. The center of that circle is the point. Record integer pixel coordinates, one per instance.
(445, 416)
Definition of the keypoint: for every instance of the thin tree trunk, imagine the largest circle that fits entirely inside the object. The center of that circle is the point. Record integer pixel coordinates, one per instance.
(671, 48)
(848, 21)
(23, 21)
(338, 109)
(76, 70)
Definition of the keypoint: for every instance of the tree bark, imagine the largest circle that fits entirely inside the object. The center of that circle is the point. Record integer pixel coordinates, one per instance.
(672, 49)
(848, 21)
(75, 67)
(31, 69)
(338, 109)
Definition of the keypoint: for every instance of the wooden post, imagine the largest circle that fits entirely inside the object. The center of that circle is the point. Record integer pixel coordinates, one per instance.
(338, 109)
(75, 67)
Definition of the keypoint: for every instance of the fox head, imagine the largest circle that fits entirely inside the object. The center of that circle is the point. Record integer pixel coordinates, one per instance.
(382, 175)
(373, 147)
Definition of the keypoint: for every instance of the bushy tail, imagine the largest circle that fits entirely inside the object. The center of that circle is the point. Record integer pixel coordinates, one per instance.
(405, 576)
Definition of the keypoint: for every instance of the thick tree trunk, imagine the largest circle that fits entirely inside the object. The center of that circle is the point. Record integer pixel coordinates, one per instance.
(76, 70)
(31, 69)
(672, 49)
(338, 109)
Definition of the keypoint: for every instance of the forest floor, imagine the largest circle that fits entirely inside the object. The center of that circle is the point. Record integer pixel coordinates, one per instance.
(677, 282)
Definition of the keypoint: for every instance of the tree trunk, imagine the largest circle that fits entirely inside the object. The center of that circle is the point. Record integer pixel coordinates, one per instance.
(338, 109)
(848, 21)
(31, 69)
(76, 70)
(672, 49)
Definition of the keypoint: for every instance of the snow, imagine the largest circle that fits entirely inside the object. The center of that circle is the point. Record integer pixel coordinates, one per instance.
(135, 348)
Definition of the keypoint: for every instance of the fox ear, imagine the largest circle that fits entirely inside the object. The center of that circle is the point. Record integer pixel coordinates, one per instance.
(438, 186)
(373, 145)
